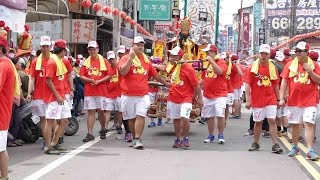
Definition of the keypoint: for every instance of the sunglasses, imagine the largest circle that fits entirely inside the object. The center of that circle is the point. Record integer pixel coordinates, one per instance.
(299, 51)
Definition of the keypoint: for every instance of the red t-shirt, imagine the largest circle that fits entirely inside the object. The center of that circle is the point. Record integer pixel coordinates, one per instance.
(113, 85)
(7, 83)
(133, 83)
(40, 85)
(58, 82)
(231, 79)
(301, 94)
(238, 80)
(94, 72)
(262, 88)
(216, 86)
(183, 92)
(69, 68)
(286, 60)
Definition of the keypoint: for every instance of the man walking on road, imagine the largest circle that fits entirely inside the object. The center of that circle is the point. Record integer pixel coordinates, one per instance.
(262, 80)
(95, 71)
(184, 86)
(135, 69)
(9, 88)
(57, 106)
(301, 76)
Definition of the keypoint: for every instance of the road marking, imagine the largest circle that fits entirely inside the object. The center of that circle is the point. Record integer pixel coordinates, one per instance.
(63, 159)
(314, 173)
(303, 148)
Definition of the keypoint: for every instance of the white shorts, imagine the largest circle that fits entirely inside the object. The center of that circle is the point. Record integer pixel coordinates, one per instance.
(152, 97)
(38, 108)
(3, 140)
(177, 111)
(297, 114)
(133, 106)
(237, 94)
(56, 111)
(230, 99)
(259, 114)
(70, 101)
(282, 112)
(215, 107)
(94, 102)
(318, 108)
(113, 104)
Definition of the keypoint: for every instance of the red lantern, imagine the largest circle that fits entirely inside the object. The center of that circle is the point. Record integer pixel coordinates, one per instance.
(133, 23)
(106, 9)
(115, 11)
(128, 19)
(86, 3)
(96, 7)
(72, 1)
(123, 15)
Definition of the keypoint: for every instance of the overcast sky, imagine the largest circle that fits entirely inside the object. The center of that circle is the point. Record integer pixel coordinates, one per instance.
(229, 7)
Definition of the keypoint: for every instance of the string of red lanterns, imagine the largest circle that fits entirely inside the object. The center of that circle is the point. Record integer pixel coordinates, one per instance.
(298, 37)
(107, 10)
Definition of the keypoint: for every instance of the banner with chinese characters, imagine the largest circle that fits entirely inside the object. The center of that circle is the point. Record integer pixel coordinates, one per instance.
(245, 30)
(201, 54)
(230, 38)
(158, 49)
(81, 30)
(279, 13)
(155, 10)
(262, 36)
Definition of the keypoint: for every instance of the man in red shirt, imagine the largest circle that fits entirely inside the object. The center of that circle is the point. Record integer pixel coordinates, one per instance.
(262, 80)
(95, 71)
(238, 81)
(8, 83)
(113, 94)
(214, 98)
(287, 56)
(57, 108)
(184, 86)
(37, 81)
(301, 77)
(135, 69)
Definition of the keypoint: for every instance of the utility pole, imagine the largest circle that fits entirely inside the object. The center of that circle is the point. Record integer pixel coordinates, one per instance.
(292, 26)
(135, 16)
(185, 8)
(239, 28)
(116, 26)
(217, 23)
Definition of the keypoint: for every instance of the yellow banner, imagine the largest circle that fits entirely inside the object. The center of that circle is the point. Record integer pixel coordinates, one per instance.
(202, 55)
(158, 49)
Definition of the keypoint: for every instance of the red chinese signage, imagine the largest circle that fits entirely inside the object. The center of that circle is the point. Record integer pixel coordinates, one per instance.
(83, 30)
(246, 30)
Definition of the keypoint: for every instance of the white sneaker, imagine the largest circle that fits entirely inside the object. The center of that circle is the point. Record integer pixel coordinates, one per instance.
(138, 144)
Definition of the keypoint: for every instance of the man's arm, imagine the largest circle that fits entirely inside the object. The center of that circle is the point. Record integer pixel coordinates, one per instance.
(215, 66)
(276, 90)
(240, 73)
(30, 88)
(248, 92)
(199, 95)
(85, 79)
(106, 78)
(158, 78)
(283, 92)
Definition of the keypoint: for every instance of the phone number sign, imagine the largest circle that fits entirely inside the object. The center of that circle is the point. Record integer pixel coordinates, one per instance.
(155, 10)
(279, 17)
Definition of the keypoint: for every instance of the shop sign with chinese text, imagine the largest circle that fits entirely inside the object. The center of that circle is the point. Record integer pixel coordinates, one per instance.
(155, 10)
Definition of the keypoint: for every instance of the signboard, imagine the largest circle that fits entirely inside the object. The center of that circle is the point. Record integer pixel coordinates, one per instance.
(279, 12)
(246, 29)
(158, 49)
(81, 30)
(257, 10)
(235, 41)
(155, 10)
(162, 25)
(53, 29)
(175, 4)
(13, 18)
(198, 27)
(230, 38)
(262, 36)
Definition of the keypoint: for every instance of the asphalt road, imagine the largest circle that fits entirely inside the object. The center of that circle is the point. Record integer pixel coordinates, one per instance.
(112, 159)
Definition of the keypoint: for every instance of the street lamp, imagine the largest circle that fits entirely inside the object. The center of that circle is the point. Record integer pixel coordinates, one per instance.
(176, 13)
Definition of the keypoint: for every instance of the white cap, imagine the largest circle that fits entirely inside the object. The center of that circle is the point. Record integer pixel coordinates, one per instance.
(122, 49)
(80, 56)
(93, 44)
(45, 41)
(34, 53)
(176, 51)
(224, 55)
(303, 46)
(264, 48)
(292, 52)
(138, 39)
(279, 56)
(110, 55)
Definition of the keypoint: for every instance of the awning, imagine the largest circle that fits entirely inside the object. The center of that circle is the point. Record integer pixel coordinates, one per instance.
(42, 10)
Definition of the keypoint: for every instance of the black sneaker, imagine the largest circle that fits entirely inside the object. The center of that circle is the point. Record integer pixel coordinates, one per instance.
(58, 147)
(119, 130)
(277, 149)
(51, 151)
(60, 140)
(254, 147)
(88, 138)
(102, 133)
